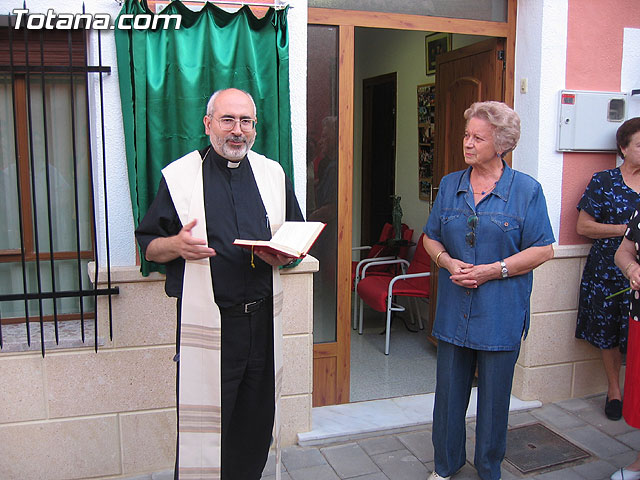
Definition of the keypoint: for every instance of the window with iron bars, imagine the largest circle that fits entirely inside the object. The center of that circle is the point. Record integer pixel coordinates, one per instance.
(46, 194)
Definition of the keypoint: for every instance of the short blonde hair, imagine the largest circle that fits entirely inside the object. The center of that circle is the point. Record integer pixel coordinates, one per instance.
(504, 120)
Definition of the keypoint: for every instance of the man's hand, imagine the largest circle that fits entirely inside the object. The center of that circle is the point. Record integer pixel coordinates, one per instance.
(274, 260)
(190, 247)
(184, 244)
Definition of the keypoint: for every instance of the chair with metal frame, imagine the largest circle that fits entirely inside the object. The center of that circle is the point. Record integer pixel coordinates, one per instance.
(379, 291)
(381, 250)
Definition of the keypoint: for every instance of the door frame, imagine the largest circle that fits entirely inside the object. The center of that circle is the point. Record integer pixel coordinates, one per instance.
(338, 353)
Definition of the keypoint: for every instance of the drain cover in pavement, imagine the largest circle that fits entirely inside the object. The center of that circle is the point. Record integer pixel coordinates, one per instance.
(534, 447)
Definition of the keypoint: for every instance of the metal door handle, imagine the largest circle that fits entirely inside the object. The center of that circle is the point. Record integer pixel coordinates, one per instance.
(431, 189)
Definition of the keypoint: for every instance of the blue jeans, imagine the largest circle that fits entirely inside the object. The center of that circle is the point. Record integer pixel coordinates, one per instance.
(454, 378)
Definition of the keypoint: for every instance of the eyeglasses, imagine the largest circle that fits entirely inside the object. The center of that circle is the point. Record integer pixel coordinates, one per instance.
(470, 237)
(229, 123)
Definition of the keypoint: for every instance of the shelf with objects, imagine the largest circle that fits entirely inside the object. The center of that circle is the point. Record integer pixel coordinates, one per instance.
(426, 138)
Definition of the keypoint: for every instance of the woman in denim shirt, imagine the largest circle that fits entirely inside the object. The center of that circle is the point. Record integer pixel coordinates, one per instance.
(487, 231)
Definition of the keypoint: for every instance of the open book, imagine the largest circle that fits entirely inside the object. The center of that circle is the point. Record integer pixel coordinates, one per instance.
(293, 239)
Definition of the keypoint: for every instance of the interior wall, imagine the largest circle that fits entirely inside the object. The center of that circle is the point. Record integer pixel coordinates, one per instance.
(382, 51)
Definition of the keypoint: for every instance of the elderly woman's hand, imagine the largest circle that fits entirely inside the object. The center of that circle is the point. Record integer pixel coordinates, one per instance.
(472, 276)
(453, 265)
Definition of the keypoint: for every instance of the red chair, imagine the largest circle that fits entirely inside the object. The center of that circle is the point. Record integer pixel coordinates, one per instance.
(374, 252)
(379, 251)
(379, 291)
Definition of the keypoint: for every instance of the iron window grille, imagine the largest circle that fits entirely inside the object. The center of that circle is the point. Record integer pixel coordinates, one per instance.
(47, 201)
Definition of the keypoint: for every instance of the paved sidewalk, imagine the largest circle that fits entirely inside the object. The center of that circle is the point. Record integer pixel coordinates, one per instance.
(409, 455)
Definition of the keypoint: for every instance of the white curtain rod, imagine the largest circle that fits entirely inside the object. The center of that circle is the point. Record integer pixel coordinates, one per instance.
(277, 5)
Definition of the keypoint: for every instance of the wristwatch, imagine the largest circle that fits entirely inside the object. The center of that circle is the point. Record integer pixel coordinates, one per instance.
(503, 269)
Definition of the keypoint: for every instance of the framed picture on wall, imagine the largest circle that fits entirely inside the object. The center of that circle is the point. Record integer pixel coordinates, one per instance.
(435, 44)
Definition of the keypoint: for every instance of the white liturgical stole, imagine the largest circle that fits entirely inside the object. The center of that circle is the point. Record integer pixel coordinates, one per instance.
(199, 408)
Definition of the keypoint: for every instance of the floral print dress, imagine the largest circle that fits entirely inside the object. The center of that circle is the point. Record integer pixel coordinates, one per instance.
(603, 323)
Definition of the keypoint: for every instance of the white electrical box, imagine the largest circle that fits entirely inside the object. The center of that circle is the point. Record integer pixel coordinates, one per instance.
(589, 120)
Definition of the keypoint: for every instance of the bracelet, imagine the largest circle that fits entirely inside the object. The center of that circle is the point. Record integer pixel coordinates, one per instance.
(626, 270)
(438, 257)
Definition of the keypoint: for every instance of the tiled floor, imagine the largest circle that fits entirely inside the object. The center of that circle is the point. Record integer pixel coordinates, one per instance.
(409, 369)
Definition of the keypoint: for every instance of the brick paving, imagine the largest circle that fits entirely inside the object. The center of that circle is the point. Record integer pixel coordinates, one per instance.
(409, 455)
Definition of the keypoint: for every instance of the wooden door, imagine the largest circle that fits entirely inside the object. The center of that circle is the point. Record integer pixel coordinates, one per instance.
(330, 92)
(463, 76)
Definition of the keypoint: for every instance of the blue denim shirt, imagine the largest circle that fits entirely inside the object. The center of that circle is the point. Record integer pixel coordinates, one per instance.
(511, 218)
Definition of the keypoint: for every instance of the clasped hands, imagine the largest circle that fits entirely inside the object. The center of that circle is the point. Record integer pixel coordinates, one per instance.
(470, 276)
(192, 248)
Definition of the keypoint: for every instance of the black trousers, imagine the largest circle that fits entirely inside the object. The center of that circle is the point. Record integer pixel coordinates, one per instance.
(248, 391)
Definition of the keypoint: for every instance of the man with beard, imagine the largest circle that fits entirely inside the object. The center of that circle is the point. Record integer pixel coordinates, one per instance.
(229, 301)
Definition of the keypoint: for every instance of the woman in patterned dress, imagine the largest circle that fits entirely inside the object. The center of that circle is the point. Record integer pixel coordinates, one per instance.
(605, 208)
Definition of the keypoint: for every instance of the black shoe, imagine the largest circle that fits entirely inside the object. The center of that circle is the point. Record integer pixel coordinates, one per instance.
(613, 409)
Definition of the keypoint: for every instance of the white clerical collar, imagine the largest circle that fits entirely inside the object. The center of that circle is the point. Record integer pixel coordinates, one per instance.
(231, 164)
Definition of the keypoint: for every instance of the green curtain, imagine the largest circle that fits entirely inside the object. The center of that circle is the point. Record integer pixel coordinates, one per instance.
(167, 76)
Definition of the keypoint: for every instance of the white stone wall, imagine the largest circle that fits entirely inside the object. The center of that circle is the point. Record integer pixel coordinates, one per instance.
(630, 73)
(541, 46)
(84, 414)
(553, 364)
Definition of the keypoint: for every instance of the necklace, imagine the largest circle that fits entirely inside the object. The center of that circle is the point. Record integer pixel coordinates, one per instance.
(484, 192)
(487, 190)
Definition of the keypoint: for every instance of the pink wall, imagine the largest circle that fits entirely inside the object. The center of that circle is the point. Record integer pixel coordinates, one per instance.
(594, 59)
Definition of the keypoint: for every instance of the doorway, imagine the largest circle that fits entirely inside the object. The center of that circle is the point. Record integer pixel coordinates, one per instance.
(332, 358)
(409, 369)
(385, 56)
(378, 153)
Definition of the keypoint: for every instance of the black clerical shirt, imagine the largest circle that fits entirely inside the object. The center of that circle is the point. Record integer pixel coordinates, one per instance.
(233, 209)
